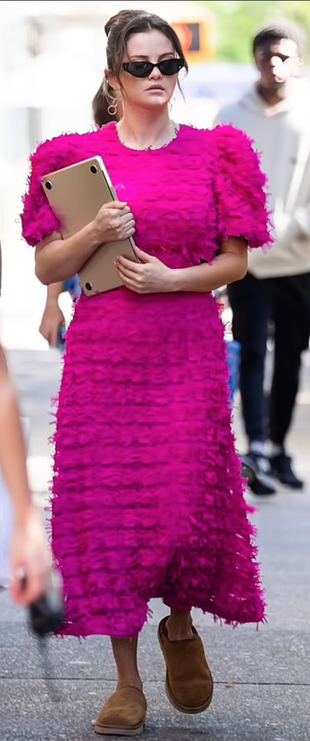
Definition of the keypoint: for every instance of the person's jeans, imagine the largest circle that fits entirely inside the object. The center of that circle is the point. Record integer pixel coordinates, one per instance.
(286, 302)
(233, 360)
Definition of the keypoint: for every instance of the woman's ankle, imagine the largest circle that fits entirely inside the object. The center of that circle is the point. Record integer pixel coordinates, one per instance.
(179, 626)
(125, 654)
(130, 681)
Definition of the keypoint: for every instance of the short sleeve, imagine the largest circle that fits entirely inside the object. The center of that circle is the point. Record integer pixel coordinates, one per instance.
(38, 220)
(240, 192)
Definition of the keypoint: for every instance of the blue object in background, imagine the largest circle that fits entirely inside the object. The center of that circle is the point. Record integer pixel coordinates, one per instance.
(72, 286)
(61, 337)
(233, 359)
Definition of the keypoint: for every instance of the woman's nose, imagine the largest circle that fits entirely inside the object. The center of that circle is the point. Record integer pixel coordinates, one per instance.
(155, 74)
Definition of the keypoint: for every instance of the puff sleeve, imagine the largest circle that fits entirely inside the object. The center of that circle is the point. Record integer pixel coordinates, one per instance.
(38, 220)
(240, 193)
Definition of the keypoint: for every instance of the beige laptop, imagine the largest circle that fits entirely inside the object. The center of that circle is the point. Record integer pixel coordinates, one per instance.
(76, 194)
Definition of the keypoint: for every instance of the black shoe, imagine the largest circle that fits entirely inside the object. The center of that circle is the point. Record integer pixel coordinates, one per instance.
(282, 470)
(256, 469)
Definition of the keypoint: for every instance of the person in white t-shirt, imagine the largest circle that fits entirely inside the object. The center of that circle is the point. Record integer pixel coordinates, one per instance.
(275, 113)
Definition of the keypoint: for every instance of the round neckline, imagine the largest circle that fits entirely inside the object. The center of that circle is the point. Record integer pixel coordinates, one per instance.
(164, 147)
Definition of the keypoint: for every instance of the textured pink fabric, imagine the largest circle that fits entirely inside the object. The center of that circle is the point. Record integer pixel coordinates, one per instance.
(148, 499)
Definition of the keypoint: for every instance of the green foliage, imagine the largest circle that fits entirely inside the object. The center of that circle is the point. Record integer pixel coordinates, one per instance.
(237, 22)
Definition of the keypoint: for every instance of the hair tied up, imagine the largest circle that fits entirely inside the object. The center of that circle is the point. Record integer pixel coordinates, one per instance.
(122, 18)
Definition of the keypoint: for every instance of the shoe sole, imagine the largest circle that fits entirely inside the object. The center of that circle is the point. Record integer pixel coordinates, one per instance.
(171, 698)
(119, 731)
(296, 487)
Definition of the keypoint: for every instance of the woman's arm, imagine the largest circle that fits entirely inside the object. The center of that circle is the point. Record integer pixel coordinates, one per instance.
(230, 265)
(12, 445)
(29, 550)
(59, 259)
(152, 276)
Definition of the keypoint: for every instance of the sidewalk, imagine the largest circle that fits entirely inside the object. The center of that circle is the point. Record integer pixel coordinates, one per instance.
(261, 677)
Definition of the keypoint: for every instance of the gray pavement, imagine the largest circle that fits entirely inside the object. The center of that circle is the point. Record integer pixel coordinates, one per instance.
(262, 678)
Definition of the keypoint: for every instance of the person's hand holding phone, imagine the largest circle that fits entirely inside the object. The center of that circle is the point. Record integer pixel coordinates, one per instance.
(114, 222)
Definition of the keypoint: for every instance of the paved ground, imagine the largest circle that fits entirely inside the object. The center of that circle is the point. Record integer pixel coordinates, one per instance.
(262, 682)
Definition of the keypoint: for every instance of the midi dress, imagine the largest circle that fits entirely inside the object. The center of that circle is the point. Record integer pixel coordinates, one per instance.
(147, 495)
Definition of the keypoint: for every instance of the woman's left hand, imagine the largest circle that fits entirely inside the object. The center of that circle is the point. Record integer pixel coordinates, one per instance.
(148, 276)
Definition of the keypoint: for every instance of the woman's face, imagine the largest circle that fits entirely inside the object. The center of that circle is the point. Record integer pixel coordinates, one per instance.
(156, 90)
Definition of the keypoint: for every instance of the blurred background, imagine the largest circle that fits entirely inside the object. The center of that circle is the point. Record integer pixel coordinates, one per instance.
(52, 58)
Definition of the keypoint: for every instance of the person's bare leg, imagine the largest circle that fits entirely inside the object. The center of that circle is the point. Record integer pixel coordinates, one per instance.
(179, 626)
(125, 655)
(124, 713)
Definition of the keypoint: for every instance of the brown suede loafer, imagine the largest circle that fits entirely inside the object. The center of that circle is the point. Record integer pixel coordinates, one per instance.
(123, 714)
(189, 683)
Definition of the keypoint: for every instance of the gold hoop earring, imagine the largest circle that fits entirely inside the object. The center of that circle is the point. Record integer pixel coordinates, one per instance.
(112, 108)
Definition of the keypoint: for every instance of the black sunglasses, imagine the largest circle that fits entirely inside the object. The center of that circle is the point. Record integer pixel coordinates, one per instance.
(167, 67)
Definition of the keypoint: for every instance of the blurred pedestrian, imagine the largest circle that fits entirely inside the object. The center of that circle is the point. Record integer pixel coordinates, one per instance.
(53, 320)
(147, 493)
(275, 113)
(106, 107)
(29, 554)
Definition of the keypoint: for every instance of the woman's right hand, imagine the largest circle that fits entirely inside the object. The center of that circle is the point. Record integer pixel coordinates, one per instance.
(114, 222)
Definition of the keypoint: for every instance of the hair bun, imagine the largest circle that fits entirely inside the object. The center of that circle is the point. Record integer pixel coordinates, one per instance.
(110, 23)
(122, 16)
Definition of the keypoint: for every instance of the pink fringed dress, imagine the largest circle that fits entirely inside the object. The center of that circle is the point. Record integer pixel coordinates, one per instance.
(148, 500)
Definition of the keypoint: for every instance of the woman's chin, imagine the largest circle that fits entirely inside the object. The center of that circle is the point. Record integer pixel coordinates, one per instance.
(154, 103)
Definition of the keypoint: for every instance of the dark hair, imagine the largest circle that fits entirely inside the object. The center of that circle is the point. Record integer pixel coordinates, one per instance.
(278, 30)
(123, 25)
(105, 95)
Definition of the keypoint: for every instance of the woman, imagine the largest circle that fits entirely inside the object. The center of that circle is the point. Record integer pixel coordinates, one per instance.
(147, 494)
(105, 108)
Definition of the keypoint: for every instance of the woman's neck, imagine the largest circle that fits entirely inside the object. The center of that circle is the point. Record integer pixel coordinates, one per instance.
(144, 128)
